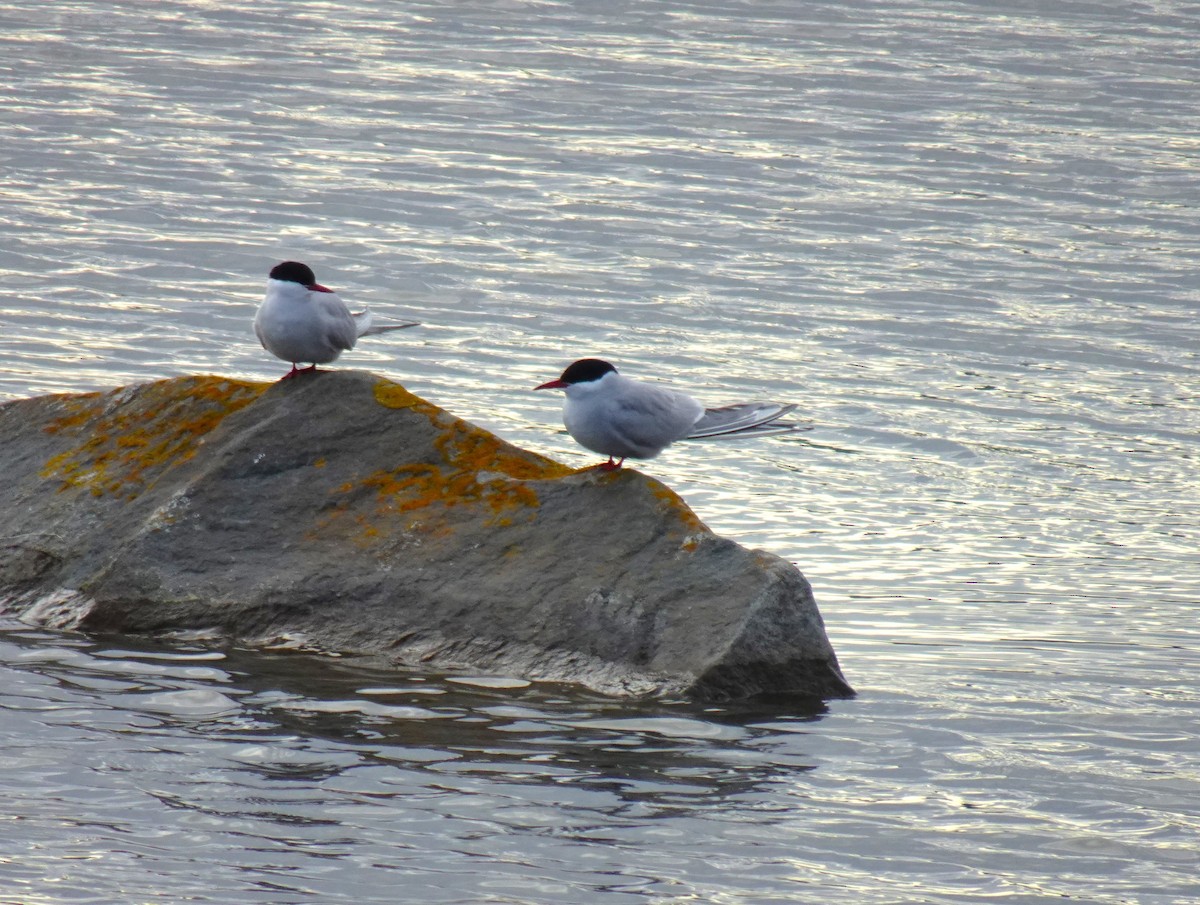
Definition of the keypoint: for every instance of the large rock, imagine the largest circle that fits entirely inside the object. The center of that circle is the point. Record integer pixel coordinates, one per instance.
(339, 511)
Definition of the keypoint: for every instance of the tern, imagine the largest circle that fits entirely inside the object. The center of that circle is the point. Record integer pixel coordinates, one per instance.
(301, 320)
(617, 416)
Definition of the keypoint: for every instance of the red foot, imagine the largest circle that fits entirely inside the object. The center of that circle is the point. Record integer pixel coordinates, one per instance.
(311, 369)
(610, 465)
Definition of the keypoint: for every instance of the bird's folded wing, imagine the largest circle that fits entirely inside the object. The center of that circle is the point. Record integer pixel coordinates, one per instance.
(756, 418)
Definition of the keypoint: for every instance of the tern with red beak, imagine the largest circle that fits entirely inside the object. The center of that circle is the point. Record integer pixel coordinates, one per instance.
(621, 418)
(302, 321)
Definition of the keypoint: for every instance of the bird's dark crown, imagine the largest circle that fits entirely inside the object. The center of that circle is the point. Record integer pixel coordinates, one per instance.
(294, 272)
(585, 370)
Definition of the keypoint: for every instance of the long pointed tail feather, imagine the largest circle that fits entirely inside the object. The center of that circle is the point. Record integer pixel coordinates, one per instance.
(387, 328)
(364, 324)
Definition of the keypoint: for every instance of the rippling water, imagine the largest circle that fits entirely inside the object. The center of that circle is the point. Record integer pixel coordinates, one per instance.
(963, 236)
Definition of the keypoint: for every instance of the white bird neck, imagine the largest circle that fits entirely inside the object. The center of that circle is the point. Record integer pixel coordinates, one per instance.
(590, 388)
(287, 289)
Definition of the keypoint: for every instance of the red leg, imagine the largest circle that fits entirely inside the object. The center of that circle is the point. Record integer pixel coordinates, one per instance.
(311, 369)
(610, 465)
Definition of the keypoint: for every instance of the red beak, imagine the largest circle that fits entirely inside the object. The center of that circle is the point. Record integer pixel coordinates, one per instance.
(317, 287)
(553, 385)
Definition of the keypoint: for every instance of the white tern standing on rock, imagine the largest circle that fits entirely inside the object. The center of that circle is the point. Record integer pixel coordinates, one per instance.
(617, 416)
(300, 320)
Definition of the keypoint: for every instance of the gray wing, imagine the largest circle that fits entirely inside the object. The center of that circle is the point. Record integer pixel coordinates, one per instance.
(341, 331)
(652, 417)
(757, 418)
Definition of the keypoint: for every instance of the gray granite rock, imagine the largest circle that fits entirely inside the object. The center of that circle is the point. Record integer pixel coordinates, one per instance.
(339, 512)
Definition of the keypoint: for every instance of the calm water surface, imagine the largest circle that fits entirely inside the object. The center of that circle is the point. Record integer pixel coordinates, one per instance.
(963, 236)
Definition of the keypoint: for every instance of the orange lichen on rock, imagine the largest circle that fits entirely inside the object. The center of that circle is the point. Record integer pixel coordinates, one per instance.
(410, 487)
(127, 438)
(675, 503)
(394, 396)
(467, 448)
(476, 469)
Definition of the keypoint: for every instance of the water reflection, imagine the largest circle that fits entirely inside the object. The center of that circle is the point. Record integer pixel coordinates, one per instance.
(536, 733)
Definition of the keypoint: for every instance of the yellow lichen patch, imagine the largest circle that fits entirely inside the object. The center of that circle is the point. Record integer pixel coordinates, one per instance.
(127, 438)
(465, 447)
(421, 486)
(76, 410)
(393, 396)
(472, 468)
(676, 504)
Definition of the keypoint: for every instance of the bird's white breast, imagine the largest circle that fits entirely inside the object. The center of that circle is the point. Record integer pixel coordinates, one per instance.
(299, 325)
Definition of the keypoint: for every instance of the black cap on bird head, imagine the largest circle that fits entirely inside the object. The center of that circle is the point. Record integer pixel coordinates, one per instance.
(294, 272)
(586, 369)
(583, 371)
